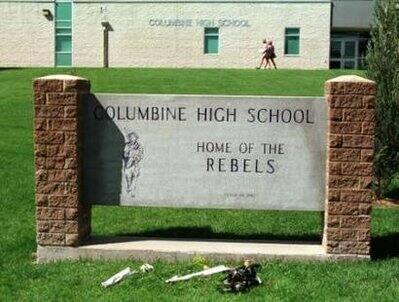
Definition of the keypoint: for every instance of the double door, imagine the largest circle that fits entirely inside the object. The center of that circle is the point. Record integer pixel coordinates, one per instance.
(344, 53)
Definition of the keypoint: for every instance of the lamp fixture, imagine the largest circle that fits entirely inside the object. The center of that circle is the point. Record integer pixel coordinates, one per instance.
(46, 13)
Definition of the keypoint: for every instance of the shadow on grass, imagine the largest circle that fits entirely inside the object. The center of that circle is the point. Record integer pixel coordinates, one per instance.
(393, 194)
(9, 68)
(383, 247)
(206, 233)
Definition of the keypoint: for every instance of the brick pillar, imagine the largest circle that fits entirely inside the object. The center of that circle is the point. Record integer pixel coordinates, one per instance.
(62, 217)
(350, 101)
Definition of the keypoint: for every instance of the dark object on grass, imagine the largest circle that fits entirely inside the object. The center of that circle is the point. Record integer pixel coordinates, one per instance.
(242, 278)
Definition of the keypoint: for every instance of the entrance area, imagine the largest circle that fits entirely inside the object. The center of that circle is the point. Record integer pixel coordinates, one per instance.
(348, 52)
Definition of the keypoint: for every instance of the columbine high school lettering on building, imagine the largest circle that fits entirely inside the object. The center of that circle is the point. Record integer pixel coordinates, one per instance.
(311, 34)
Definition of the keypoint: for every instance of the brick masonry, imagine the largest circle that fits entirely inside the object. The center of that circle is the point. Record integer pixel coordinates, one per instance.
(350, 102)
(62, 217)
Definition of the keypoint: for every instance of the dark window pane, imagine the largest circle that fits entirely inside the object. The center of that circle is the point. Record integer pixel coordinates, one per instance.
(211, 30)
(292, 31)
(349, 64)
(335, 64)
(350, 49)
(335, 49)
(63, 31)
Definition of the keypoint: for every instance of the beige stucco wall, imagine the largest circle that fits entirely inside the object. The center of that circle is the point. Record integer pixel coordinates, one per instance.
(26, 36)
(133, 42)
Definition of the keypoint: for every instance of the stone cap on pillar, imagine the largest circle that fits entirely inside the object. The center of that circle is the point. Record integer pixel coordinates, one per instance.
(61, 77)
(61, 83)
(350, 78)
(350, 84)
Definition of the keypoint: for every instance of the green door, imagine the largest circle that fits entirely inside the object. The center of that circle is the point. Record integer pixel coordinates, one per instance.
(63, 34)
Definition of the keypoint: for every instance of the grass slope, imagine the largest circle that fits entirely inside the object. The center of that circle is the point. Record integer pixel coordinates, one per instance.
(22, 280)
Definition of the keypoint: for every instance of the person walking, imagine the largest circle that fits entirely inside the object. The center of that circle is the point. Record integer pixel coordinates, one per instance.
(264, 58)
(270, 54)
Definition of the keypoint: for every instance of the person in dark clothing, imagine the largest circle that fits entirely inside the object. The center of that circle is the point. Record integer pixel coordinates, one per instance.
(270, 54)
(264, 55)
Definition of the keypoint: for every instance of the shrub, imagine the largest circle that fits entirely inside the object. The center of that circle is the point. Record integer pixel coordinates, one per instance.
(383, 68)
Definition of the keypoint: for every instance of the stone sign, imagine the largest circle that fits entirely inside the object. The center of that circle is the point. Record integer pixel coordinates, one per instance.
(202, 151)
(205, 151)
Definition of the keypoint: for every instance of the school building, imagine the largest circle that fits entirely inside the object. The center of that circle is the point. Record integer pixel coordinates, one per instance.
(307, 34)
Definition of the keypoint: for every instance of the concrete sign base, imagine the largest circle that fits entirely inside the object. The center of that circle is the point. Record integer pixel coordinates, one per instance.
(151, 249)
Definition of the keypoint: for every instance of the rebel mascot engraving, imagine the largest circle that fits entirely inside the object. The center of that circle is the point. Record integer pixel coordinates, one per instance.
(206, 151)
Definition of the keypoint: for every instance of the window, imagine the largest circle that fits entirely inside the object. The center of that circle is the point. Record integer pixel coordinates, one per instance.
(63, 34)
(348, 51)
(211, 41)
(291, 46)
(336, 49)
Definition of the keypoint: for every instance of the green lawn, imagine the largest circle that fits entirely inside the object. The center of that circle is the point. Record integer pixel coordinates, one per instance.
(21, 279)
